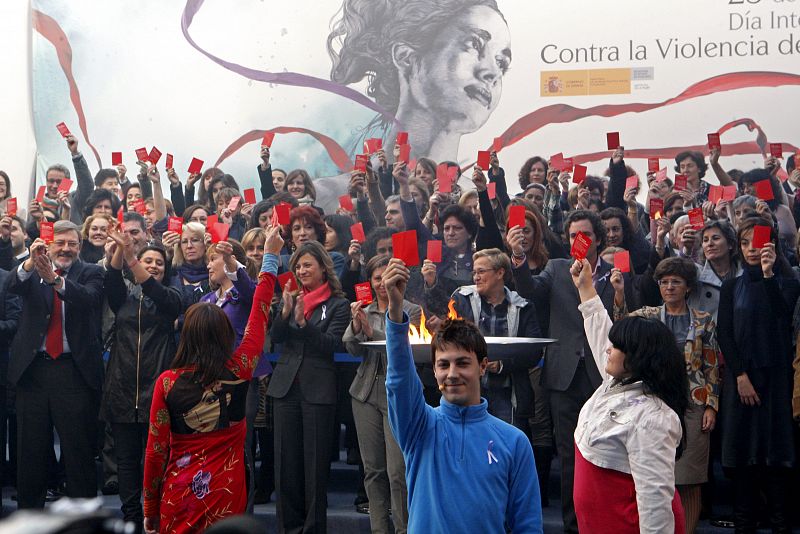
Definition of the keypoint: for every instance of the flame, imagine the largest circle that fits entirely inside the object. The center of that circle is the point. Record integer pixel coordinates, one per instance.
(419, 336)
(657, 215)
(451, 310)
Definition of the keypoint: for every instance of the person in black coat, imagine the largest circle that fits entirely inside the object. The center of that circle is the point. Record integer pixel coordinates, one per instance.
(10, 311)
(57, 364)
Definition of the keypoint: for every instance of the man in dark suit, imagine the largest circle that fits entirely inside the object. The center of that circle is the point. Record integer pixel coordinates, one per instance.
(570, 373)
(56, 365)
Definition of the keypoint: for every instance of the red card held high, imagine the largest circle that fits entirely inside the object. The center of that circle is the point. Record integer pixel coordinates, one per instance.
(234, 203)
(622, 261)
(579, 175)
(483, 159)
(612, 139)
(661, 175)
(46, 232)
(374, 144)
(283, 210)
(155, 155)
(11, 207)
(402, 138)
(116, 158)
(404, 245)
(357, 231)
(434, 252)
(631, 183)
(714, 141)
(211, 220)
(267, 139)
(175, 224)
(195, 166)
(681, 182)
(656, 206)
(776, 150)
(361, 162)
(491, 190)
(715, 194)
(764, 190)
(65, 185)
(580, 246)
(346, 202)
(287, 281)
(62, 129)
(141, 154)
(729, 192)
(696, 219)
(40, 193)
(516, 216)
(761, 236)
(364, 293)
(170, 162)
(250, 196)
(652, 164)
(405, 153)
(219, 232)
(445, 184)
(557, 161)
(568, 164)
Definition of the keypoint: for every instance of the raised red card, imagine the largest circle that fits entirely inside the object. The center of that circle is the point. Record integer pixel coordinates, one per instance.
(764, 190)
(361, 162)
(267, 139)
(696, 219)
(46, 232)
(120, 215)
(250, 196)
(652, 164)
(175, 224)
(483, 159)
(234, 203)
(580, 246)
(405, 153)
(364, 293)
(373, 145)
(579, 175)
(452, 173)
(404, 246)
(141, 154)
(656, 206)
(631, 183)
(491, 190)
(445, 184)
(412, 165)
(11, 206)
(776, 150)
(138, 206)
(434, 252)
(65, 185)
(557, 161)
(195, 166)
(357, 231)
(729, 193)
(761, 236)
(497, 145)
(346, 202)
(441, 172)
(715, 194)
(516, 216)
(116, 158)
(154, 156)
(62, 129)
(401, 139)
(714, 141)
(219, 232)
(568, 164)
(169, 162)
(40, 193)
(612, 139)
(661, 175)
(283, 211)
(681, 182)
(287, 281)
(622, 261)
(211, 220)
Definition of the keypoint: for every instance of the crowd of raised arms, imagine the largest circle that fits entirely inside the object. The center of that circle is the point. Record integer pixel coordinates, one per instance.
(181, 336)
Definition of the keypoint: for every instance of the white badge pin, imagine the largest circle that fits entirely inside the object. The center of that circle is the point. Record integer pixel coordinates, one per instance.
(324, 309)
(490, 455)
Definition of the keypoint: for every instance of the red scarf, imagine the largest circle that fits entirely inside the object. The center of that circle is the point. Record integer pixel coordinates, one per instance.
(312, 299)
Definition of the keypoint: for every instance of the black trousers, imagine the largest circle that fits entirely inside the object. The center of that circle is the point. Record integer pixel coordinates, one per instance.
(52, 393)
(303, 441)
(130, 440)
(565, 407)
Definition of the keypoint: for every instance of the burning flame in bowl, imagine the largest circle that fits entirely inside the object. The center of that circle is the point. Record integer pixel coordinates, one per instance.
(422, 335)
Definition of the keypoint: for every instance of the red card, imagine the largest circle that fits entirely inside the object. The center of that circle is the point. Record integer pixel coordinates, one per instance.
(139, 206)
(116, 158)
(580, 246)
(776, 150)
(441, 172)
(516, 216)
(661, 175)
(405, 153)
(483, 159)
(65, 185)
(175, 224)
(62, 129)
(404, 245)
(412, 165)
(491, 190)
(346, 202)
(283, 211)
(557, 161)
(715, 194)
(11, 206)
(452, 173)
(497, 145)
(250, 196)
(579, 175)
(681, 182)
(40, 193)
(287, 281)
(211, 220)
(612, 138)
(656, 206)
(364, 293)
(155, 155)
(46, 232)
(141, 154)
(361, 162)
(696, 219)
(446, 184)
(631, 183)
(568, 164)
(729, 192)
(652, 164)
(169, 162)
(234, 203)
(120, 215)
(402, 138)
(373, 145)
(714, 141)
(764, 190)
(219, 232)
(761, 236)
(357, 231)
(267, 140)
(622, 261)
(195, 166)
(434, 252)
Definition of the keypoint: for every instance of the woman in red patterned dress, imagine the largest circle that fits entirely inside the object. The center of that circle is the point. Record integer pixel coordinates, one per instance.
(194, 463)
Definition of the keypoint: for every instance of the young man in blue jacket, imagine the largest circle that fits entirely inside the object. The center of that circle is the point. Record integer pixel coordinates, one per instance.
(466, 470)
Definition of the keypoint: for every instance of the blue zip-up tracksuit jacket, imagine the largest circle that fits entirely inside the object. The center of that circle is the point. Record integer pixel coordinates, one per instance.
(466, 470)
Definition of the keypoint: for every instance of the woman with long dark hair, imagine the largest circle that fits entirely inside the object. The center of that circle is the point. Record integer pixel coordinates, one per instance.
(194, 464)
(631, 429)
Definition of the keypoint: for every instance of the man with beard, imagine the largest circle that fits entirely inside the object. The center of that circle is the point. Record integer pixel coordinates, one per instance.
(56, 365)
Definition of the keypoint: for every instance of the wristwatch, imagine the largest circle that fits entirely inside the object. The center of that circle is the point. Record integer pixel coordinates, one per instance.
(56, 281)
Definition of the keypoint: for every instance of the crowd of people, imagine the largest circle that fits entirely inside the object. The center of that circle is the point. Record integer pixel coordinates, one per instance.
(181, 338)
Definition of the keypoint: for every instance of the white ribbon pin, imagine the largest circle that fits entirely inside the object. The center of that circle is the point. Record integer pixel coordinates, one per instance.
(324, 309)
(490, 455)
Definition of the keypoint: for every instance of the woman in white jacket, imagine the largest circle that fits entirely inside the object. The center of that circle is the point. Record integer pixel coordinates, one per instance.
(628, 432)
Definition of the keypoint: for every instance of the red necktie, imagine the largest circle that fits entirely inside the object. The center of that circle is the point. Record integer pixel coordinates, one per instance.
(54, 345)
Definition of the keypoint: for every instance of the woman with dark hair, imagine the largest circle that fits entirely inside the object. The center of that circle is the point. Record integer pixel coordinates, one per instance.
(424, 59)
(261, 214)
(203, 197)
(142, 347)
(673, 204)
(384, 468)
(533, 171)
(197, 214)
(425, 170)
(630, 430)
(300, 186)
(95, 230)
(217, 184)
(694, 332)
(787, 231)
(5, 190)
(337, 233)
(132, 194)
(305, 225)
(755, 335)
(101, 201)
(194, 464)
(308, 327)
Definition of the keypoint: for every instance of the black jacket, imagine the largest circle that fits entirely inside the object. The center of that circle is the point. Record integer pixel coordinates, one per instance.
(10, 311)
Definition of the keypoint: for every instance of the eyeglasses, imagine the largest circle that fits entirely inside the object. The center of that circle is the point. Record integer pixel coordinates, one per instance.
(671, 283)
(481, 272)
(70, 244)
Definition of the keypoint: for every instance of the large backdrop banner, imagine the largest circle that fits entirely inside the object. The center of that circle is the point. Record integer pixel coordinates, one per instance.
(206, 79)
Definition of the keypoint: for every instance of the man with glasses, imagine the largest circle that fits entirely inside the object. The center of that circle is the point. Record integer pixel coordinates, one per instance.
(499, 312)
(56, 364)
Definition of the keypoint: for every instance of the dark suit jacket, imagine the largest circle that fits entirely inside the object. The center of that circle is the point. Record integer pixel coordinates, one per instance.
(306, 354)
(10, 310)
(83, 298)
(554, 286)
